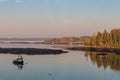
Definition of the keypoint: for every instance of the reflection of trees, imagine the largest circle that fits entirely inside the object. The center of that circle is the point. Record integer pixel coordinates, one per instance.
(108, 60)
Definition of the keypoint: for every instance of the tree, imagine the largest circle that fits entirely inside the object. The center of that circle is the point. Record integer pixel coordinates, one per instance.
(99, 39)
(105, 40)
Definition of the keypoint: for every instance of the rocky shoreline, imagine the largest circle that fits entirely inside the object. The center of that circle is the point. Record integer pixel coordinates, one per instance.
(96, 49)
(30, 51)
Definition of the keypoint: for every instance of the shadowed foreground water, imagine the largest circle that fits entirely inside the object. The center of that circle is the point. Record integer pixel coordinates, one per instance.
(75, 65)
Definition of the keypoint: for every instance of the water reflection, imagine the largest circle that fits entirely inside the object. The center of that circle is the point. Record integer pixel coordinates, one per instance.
(106, 60)
(20, 66)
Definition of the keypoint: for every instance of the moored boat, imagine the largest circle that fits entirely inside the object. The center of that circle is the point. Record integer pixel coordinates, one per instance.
(18, 61)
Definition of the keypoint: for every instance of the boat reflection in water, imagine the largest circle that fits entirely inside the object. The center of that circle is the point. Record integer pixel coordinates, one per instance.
(104, 60)
(19, 62)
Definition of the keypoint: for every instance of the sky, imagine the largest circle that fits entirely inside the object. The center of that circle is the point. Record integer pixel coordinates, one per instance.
(57, 18)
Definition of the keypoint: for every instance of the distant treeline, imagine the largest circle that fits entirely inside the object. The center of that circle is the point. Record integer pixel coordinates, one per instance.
(106, 39)
(68, 39)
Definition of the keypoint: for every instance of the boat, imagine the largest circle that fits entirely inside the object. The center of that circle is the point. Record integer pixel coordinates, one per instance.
(18, 61)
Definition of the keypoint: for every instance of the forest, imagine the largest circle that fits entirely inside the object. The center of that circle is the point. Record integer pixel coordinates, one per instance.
(109, 39)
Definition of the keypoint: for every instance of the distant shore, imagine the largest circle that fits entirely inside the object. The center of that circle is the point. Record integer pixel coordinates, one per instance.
(30, 51)
(95, 49)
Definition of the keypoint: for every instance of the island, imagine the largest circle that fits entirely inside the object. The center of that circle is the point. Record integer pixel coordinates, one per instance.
(101, 42)
(30, 51)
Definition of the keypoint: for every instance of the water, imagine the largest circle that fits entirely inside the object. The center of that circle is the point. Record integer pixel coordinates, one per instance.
(75, 65)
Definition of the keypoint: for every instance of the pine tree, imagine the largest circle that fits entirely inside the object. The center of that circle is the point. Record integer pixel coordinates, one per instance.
(99, 39)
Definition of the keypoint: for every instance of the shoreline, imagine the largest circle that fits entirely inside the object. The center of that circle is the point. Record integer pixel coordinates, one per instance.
(95, 49)
(31, 51)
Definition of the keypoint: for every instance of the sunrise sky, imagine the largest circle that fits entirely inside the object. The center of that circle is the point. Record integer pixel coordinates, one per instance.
(57, 18)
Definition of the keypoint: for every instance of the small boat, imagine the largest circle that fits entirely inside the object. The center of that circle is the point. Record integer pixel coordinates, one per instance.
(18, 61)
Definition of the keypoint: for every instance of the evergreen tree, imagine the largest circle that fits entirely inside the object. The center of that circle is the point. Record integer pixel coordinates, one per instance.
(99, 39)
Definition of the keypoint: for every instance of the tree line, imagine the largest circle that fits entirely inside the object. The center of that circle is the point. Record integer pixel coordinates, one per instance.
(106, 39)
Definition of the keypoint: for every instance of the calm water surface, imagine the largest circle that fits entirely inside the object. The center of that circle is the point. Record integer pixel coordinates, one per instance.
(75, 65)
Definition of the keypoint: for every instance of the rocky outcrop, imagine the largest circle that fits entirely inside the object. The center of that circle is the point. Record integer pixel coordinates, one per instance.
(30, 51)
